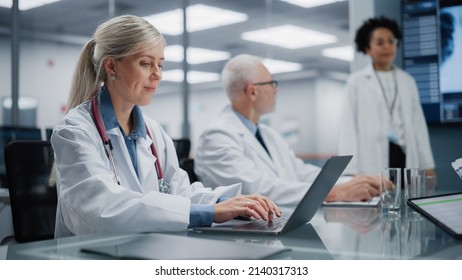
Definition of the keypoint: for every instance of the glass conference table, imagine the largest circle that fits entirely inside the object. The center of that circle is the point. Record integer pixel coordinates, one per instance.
(338, 233)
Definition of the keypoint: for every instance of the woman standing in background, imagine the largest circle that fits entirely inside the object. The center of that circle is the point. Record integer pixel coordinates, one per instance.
(382, 123)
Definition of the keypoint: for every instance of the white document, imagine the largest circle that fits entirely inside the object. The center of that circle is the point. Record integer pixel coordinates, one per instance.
(457, 165)
(374, 202)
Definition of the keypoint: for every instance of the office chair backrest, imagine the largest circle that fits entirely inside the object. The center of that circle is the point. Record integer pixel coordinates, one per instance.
(33, 202)
(183, 147)
(187, 164)
(11, 133)
(48, 133)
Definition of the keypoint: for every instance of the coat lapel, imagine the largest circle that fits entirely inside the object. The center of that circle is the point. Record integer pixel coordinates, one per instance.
(123, 165)
(146, 165)
(250, 139)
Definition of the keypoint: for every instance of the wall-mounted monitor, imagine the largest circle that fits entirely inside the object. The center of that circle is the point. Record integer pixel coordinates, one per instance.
(432, 54)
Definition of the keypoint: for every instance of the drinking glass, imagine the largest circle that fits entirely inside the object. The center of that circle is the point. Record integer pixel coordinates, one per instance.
(390, 191)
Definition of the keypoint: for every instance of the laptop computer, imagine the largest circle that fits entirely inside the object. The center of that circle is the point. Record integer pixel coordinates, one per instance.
(304, 211)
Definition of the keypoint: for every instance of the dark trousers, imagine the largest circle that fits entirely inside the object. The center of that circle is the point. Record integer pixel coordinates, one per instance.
(397, 159)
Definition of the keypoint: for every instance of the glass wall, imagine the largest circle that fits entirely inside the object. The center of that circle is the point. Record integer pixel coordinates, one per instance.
(283, 33)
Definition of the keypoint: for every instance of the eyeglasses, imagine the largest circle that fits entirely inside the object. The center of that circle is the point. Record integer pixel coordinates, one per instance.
(381, 43)
(273, 83)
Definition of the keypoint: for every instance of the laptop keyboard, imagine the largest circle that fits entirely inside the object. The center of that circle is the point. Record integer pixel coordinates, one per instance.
(264, 225)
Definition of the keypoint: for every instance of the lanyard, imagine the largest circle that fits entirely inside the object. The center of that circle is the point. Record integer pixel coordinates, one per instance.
(164, 187)
(391, 106)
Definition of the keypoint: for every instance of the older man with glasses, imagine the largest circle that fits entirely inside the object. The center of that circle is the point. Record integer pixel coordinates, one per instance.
(236, 147)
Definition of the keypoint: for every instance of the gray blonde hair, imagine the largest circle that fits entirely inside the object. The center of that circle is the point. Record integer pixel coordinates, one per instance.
(116, 38)
(239, 71)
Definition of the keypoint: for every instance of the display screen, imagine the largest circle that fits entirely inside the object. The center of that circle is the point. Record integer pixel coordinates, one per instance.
(432, 54)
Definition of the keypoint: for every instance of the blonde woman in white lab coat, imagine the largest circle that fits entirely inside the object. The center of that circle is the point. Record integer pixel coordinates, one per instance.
(229, 151)
(136, 184)
(382, 123)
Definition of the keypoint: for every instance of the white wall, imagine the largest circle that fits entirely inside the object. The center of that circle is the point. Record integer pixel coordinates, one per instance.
(45, 72)
(306, 111)
(328, 106)
(359, 11)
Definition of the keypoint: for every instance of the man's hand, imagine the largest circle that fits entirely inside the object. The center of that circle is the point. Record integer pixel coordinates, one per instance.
(360, 188)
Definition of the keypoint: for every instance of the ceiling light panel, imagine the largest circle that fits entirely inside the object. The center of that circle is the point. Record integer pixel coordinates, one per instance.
(311, 3)
(174, 53)
(343, 53)
(26, 4)
(289, 37)
(280, 66)
(199, 17)
(194, 77)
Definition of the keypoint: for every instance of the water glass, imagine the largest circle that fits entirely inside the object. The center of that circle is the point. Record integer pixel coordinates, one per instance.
(390, 191)
(430, 185)
(414, 183)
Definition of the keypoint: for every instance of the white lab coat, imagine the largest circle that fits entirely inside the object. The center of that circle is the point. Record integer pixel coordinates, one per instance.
(228, 153)
(89, 198)
(364, 124)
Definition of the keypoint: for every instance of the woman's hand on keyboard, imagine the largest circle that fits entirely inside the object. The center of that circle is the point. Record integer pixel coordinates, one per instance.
(255, 206)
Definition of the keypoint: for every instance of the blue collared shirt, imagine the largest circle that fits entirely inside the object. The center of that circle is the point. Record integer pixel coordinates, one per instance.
(110, 122)
(199, 215)
(248, 123)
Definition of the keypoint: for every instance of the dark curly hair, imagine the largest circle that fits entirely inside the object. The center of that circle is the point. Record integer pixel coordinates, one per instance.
(364, 33)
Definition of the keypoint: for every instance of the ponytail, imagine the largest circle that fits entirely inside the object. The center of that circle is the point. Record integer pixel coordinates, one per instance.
(86, 80)
(84, 85)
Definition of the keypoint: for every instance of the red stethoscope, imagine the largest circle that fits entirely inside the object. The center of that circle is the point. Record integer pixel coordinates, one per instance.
(164, 187)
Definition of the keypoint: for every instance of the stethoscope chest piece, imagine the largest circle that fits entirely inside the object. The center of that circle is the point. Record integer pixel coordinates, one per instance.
(164, 187)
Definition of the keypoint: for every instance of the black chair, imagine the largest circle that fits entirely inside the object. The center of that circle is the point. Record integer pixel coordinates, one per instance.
(187, 164)
(183, 147)
(33, 202)
(48, 133)
(11, 133)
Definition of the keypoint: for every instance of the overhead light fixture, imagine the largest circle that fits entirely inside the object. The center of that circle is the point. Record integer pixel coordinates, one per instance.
(194, 77)
(311, 3)
(289, 36)
(199, 17)
(174, 53)
(26, 4)
(280, 66)
(343, 53)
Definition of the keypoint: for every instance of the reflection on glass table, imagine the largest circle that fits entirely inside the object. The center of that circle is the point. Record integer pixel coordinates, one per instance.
(364, 233)
(360, 219)
(334, 233)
